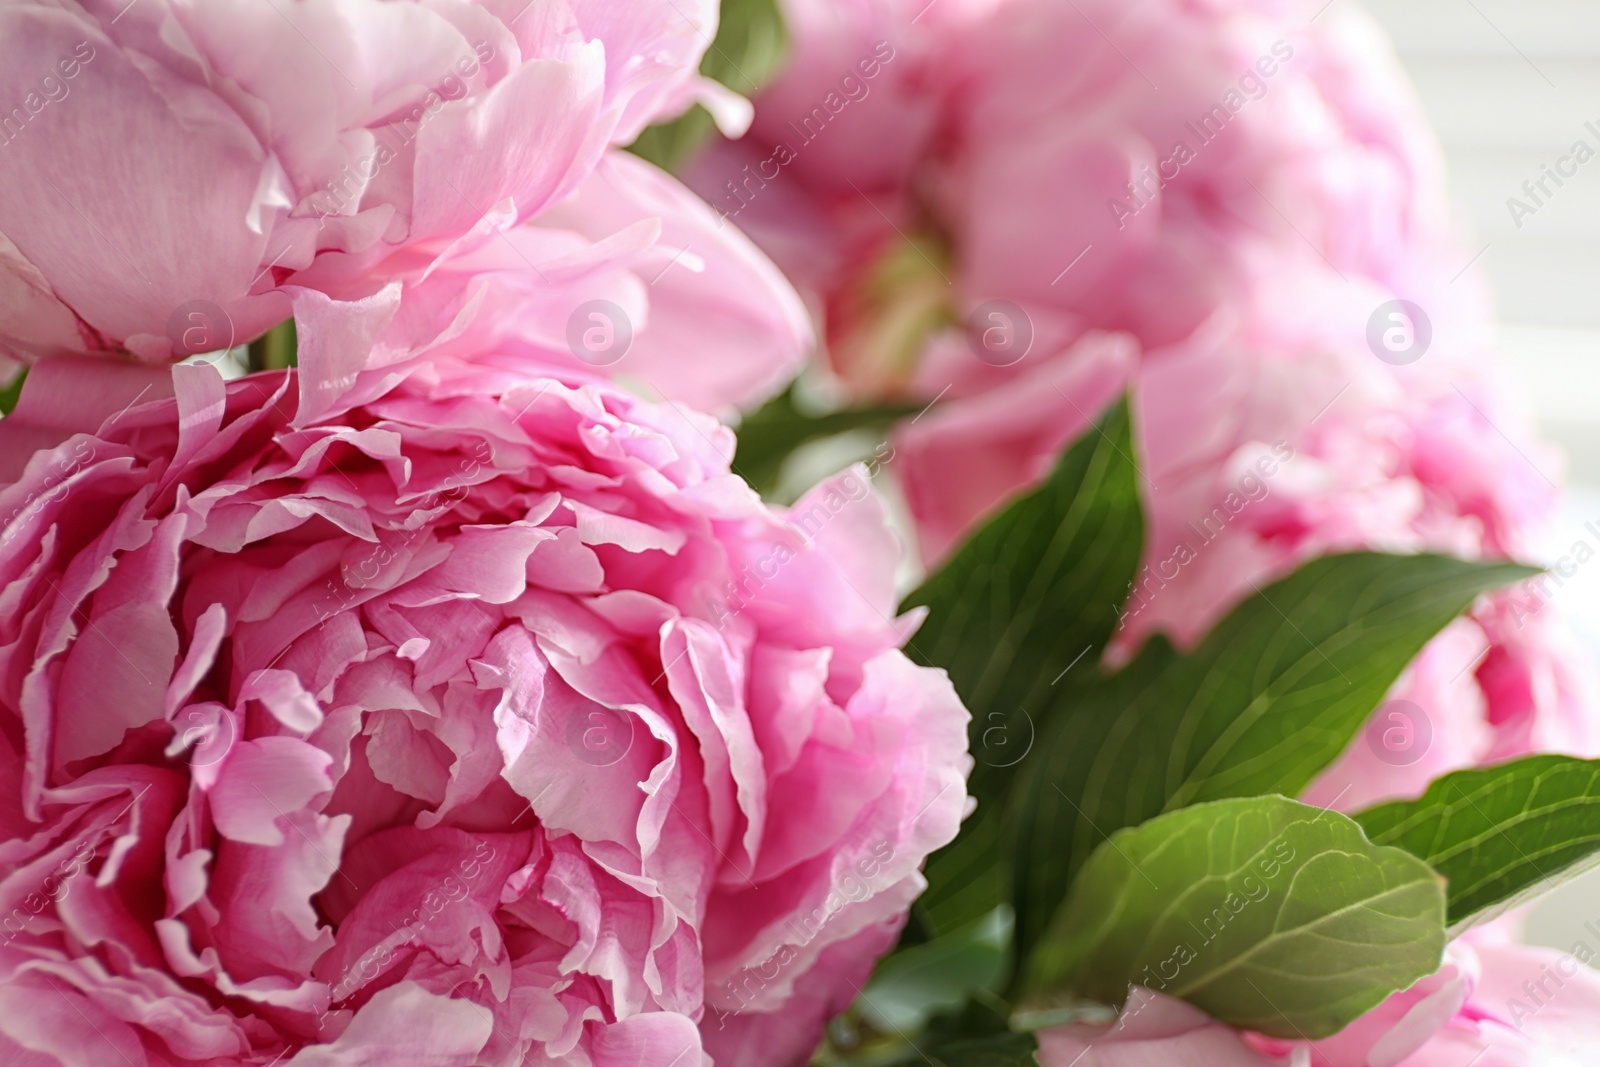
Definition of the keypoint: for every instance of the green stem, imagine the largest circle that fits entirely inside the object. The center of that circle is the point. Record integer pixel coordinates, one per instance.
(275, 349)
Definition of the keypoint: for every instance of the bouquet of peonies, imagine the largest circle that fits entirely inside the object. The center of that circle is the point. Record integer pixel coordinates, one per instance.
(1019, 553)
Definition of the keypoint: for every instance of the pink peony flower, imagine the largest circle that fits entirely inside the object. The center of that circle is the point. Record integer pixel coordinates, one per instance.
(998, 220)
(1005, 138)
(175, 166)
(1528, 1007)
(1493, 1004)
(427, 712)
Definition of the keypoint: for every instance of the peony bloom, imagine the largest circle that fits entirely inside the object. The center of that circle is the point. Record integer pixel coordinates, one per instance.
(1493, 1004)
(424, 707)
(1527, 1007)
(175, 166)
(980, 148)
(1015, 209)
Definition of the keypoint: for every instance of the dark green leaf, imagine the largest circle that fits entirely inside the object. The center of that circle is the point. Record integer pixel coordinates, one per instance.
(1501, 834)
(976, 1035)
(1268, 914)
(1046, 816)
(670, 143)
(276, 349)
(1267, 700)
(12, 392)
(1029, 599)
(771, 433)
(1000, 1050)
(984, 1014)
(938, 975)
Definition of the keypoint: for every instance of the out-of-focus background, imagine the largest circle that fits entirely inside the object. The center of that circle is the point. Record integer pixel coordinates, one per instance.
(1510, 86)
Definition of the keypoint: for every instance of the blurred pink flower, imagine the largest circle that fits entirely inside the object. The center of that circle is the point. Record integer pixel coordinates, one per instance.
(1493, 1004)
(1007, 138)
(998, 220)
(428, 710)
(174, 166)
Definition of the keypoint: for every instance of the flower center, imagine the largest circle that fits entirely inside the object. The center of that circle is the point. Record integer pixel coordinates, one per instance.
(879, 324)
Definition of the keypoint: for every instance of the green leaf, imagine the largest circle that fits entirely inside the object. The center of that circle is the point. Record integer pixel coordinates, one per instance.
(984, 1014)
(1501, 835)
(668, 144)
(1268, 914)
(960, 1036)
(276, 349)
(1269, 698)
(771, 433)
(999, 1050)
(748, 50)
(1045, 815)
(991, 1050)
(12, 392)
(974, 1035)
(938, 975)
(1028, 600)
